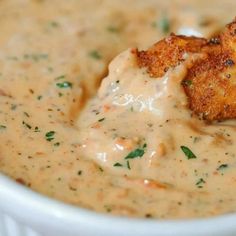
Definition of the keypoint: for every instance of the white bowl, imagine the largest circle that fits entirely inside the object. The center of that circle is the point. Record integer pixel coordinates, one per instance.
(27, 213)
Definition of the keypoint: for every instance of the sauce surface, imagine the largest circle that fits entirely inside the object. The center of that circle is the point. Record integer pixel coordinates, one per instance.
(131, 150)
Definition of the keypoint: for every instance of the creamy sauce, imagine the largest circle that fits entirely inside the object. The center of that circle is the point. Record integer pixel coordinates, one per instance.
(120, 152)
(135, 129)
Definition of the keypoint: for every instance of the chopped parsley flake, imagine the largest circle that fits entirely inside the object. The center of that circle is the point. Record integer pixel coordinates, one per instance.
(60, 77)
(26, 125)
(200, 182)
(54, 24)
(188, 153)
(128, 165)
(50, 69)
(95, 55)
(101, 120)
(36, 129)
(13, 107)
(139, 152)
(117, 164)
(64, 84)
(2, 127)
(196, 139)
(112, 29)
(26, 114)
(36, 57)
(164, 25)
(187, 82)
(56, 144)
(50, 135)
(222, 167)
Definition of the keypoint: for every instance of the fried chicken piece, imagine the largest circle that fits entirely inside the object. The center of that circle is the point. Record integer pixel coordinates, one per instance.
(210, 83)
(168, 53)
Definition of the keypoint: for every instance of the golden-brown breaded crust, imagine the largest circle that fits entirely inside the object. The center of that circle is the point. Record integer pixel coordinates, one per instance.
(168, 53)
(210, 83)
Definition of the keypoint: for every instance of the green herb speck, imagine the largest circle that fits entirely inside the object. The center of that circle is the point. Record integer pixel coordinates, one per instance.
(26, 125)
(164, 25)
(13, 107)
(188, 153)
(222, 167)
(50, 69)
(50, 135)
(54, 24)
(64, 84)
(187, 82)
(60, 77)
(36, 129)
(95, 55)
(100, 120)
(139, 152)
(196, 139)
(200, 182)
(26, 114)
(117, 164)
(128, 165)
(35, 57)
(2, 127)
(112, 29)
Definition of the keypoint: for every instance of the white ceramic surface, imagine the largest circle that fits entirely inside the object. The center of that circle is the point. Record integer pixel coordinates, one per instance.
(26, 213)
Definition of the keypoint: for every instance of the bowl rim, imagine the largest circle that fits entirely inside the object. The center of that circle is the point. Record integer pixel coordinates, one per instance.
(59, 211)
